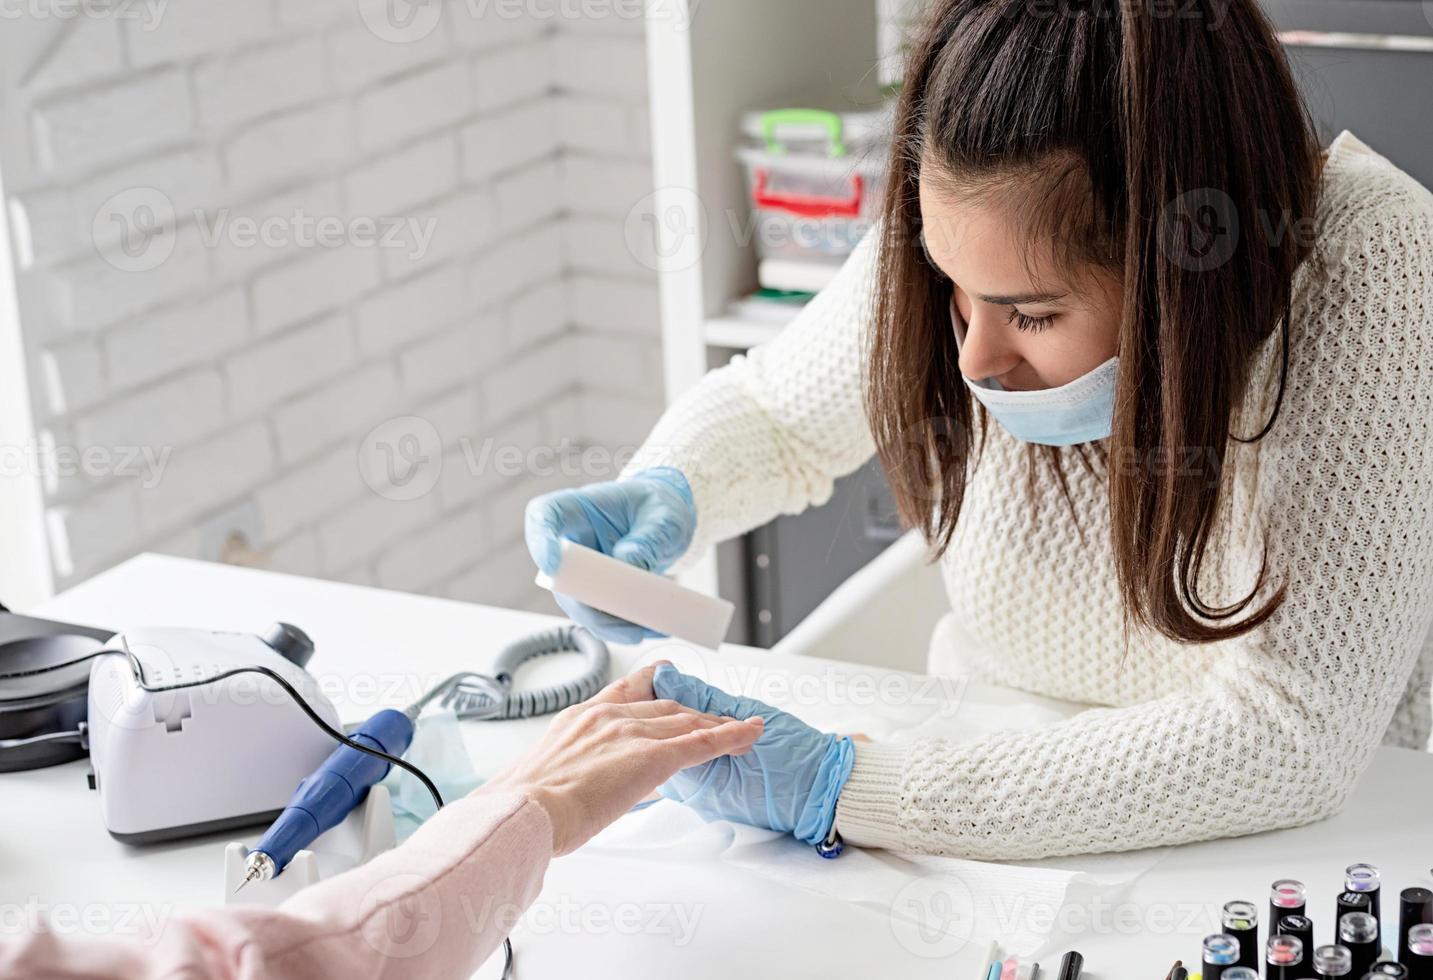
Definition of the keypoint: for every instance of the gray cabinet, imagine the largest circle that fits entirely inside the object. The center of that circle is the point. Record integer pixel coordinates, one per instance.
(794, 563)
(1366, 66)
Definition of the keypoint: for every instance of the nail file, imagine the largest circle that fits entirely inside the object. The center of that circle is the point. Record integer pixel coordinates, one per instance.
(638, 596)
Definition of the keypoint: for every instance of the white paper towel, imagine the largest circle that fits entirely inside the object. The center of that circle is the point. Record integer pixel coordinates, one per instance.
(1025, 907)
(974, 902)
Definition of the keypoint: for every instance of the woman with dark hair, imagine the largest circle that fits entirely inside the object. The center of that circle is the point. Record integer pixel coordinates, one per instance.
(1152, 372)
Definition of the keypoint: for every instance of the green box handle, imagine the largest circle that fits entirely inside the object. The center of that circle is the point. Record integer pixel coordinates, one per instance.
(834, 126)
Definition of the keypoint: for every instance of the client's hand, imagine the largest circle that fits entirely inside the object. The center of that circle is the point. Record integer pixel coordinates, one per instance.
(789, 781)
(601, 757)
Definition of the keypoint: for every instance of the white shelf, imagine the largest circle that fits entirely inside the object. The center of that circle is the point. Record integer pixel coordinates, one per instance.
(705, 69)
(738, 333)
(705, 72)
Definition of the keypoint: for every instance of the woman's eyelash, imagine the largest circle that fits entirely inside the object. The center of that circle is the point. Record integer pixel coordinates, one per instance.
(1034, 324)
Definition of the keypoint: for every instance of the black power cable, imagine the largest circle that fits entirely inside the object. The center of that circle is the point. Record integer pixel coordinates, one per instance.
(327, 729)
(273, 675)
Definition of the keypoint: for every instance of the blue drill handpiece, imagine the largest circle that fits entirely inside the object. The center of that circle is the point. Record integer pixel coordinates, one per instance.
(325, 798)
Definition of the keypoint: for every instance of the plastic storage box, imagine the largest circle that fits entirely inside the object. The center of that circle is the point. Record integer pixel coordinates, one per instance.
(816, 179)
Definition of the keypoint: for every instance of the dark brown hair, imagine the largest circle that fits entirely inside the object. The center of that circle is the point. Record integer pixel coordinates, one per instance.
(1124, 125)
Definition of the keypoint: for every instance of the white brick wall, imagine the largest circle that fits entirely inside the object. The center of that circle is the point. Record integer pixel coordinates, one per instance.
(433, 99)
(266, 374)
(289, 146)
(401, 180)
(230, 91)
(162, 343)
(112, 122)
(323, 279)
(168, 184)
(896, 19)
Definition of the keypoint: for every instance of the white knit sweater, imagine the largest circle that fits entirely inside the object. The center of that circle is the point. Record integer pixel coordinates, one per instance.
(1190, 742)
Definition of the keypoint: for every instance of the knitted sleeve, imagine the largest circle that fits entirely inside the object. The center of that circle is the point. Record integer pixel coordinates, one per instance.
(1279, 730)
(770, 432)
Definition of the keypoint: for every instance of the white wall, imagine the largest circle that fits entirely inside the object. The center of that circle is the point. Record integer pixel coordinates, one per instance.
(896, 19)
(275, 382)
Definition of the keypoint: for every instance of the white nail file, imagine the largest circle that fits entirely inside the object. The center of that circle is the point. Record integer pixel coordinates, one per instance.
(640, 597)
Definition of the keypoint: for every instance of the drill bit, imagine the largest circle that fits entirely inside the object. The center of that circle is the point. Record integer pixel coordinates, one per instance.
(259, 867)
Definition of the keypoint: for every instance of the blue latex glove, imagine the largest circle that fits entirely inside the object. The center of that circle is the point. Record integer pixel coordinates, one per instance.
(790, 779)
(647, 521)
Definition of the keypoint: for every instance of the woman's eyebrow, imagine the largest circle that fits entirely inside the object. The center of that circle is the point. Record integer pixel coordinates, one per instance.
(1019, 298)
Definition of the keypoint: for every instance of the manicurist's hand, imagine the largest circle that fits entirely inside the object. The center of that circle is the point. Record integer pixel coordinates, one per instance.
(789, 781)
(647, 521)
(600, 758)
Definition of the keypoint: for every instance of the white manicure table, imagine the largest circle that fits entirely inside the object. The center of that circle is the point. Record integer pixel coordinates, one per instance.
(602, 915)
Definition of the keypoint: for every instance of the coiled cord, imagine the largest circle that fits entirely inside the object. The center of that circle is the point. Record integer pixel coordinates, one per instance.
(491, 697)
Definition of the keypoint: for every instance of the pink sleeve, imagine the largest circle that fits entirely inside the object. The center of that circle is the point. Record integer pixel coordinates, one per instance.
(435, 907)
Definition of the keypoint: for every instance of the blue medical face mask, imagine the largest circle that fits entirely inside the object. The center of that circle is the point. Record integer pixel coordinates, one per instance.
(1081, 411)
(439, 751)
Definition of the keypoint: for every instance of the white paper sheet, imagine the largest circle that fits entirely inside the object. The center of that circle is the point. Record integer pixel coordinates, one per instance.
(1021, 906)
(1025, 907)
